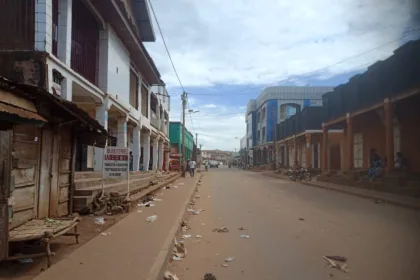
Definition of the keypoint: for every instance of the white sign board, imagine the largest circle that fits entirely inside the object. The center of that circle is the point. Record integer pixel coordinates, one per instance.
(116, 162)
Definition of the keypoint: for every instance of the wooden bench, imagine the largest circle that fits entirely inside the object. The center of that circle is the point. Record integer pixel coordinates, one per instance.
(44, 230)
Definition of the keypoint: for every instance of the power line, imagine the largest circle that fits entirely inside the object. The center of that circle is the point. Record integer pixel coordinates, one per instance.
(164, 43)
(319, 69)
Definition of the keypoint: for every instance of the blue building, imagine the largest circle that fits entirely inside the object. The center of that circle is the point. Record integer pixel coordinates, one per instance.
(274, 105)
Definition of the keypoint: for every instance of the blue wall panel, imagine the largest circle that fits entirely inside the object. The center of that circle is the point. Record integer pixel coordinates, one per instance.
(272, 106)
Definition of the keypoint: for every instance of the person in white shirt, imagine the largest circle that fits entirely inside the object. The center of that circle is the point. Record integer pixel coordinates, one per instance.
(192, 165)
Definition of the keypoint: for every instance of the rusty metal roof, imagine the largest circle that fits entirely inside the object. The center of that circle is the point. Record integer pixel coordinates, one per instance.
(21, 113)
(56, 104)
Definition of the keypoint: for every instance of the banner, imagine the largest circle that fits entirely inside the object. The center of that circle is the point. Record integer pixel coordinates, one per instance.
(116, 163)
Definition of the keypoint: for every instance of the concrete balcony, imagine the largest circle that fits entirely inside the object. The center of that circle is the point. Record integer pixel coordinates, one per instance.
(154, 121)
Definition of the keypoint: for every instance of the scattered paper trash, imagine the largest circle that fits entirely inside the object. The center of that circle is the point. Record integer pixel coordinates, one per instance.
(157, 199)
(176, 258)
(179, 250)
(203, 224)
(244, 236)
(99, 221)
(27, 260)
(170, 276)
(139, 211)
(186, 236)
(105, 233)
(337, 258)
(333, 264)
(198, 236)
(230, 259)
(222, 229)
(225, 265)
(151, 218)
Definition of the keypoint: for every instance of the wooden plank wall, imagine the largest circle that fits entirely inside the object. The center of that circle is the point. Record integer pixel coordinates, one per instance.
(26, 154)
(64, 171)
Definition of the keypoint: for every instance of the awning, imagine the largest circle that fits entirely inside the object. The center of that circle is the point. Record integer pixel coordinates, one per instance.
(18, 113)
(56, 110)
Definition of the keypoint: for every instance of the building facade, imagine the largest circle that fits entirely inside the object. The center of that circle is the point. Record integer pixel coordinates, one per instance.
(175, 136)
(92, 53)
(274, 105)
(217, 155)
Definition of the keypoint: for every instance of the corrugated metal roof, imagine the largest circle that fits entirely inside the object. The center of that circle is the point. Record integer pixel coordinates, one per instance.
(21, 113)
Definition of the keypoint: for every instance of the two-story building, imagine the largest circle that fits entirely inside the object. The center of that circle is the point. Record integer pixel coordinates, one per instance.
(274, 105)
(91, 52)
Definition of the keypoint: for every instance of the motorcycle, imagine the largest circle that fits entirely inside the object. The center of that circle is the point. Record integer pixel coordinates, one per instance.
(301, 174)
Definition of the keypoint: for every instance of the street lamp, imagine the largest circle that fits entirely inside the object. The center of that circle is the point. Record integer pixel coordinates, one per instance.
(191, 111)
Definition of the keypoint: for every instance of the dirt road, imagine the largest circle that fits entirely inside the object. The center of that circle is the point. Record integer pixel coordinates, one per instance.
(290, 227)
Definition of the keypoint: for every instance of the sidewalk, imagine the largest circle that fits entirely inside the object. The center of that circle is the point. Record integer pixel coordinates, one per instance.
(399, 200)
(136, 249)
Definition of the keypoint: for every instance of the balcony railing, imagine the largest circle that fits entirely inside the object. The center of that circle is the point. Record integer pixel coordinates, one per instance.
(154, 121)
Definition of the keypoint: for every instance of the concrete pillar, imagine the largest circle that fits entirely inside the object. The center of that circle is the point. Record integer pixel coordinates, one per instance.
(308, 151)
(160, 155)
(389, 135)
(324, 158)
(67, 89)
(155, 153)
(145, 143)
(43, 25)
(122, 132)
(167, 161)
(136, 148)
(64, 31)
(350, 144)
(102, 118)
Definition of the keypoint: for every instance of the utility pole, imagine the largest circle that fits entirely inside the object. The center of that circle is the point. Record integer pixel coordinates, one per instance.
(184, 106)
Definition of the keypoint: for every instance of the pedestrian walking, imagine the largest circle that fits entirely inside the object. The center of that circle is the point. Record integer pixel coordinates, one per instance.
(191, 166)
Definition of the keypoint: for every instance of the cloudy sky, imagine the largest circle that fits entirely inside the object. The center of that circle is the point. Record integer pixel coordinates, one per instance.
(226, 52)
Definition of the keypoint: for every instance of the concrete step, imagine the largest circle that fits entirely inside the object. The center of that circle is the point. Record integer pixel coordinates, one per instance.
(88, 182)
(84, 197)
(95, 174)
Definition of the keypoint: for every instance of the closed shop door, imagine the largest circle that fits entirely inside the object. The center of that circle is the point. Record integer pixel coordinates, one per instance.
(26, 144)
(5, 184)
(358, 150)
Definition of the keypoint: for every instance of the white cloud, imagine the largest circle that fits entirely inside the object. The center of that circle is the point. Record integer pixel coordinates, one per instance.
(263, 42)
(217, 128)
(210, 106)
(248, 41)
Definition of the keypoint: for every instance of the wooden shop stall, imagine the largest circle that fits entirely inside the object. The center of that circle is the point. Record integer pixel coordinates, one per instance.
(38, 136)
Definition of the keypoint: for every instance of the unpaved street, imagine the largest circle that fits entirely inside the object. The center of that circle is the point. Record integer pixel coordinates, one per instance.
(290, 227)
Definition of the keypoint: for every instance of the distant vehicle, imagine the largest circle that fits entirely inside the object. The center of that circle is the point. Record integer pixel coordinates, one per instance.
(214, 164)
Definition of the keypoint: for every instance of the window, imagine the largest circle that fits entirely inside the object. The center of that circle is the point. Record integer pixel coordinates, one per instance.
(134, 90)
(358, 150)
(144, 101)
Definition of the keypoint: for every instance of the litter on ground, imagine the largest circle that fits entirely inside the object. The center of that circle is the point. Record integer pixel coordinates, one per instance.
(151, 218)
(198, 236)
(333, 264)
(99, 221)
(186, 236)
(222, 229)
(170, 276)
(229, 259)
(244, 236)
(105, 233)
